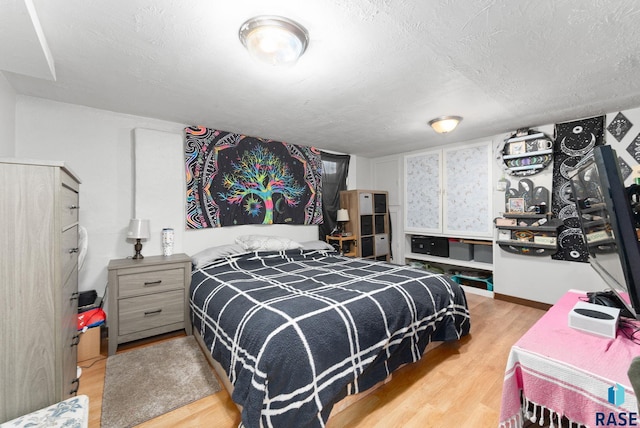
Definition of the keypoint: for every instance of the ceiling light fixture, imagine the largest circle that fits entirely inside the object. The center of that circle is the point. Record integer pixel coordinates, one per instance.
(274, 39)
(444, 124)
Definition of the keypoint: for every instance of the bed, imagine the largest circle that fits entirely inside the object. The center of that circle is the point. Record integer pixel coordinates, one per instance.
(297, 327)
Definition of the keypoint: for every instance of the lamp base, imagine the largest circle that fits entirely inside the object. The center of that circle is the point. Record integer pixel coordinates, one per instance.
(137, 247)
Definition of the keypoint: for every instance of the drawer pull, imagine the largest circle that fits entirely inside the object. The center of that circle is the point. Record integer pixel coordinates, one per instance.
(74, 250)
(75, 390)
(149, 313)
(75, 340)
(74, 296)
(152, 283)
(74, 207)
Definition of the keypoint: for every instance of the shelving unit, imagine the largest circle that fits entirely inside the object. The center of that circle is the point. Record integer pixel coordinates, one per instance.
(526, 247)
(368, 222)
(343, 243)
(455, 267)
(472, 264)
(532, 159)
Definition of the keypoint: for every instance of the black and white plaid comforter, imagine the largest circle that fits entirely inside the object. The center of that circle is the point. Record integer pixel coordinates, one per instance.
(298, 330)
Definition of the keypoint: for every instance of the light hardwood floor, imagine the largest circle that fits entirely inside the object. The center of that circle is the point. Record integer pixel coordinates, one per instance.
(454, 385)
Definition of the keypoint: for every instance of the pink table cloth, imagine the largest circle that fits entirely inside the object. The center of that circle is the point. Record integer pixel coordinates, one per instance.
(566, 371)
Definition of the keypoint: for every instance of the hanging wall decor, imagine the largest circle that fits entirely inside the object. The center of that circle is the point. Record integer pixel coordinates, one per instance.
(233, 179)
(574, 140)
(525, 152)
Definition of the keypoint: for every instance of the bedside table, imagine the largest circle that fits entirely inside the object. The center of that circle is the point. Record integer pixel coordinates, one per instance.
(147, 297)
(344, 242)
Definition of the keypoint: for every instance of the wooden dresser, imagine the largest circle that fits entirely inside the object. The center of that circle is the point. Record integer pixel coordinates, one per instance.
(38, 285)
(147, 297)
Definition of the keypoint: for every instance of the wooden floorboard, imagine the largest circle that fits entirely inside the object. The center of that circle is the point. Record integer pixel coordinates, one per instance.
(455, 385)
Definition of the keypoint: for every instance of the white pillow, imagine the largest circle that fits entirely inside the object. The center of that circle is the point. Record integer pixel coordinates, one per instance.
(266, 243)
(317, 245)
(205, 257)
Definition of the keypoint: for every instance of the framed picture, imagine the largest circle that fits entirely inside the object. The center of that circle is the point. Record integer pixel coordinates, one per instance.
(516, 205)
(517, 148)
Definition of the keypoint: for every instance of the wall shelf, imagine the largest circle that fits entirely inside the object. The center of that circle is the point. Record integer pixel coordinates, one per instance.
(528, 154)
(529, 248)
(526, 137)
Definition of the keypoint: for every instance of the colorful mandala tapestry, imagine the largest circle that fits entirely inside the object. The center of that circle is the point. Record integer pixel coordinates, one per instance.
(234, 179)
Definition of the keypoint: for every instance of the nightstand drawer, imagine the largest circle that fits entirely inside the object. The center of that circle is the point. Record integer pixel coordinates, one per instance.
(157, 281)
(150, 311)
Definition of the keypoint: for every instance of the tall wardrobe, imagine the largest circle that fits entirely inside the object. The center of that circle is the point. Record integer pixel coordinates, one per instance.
(39, 204)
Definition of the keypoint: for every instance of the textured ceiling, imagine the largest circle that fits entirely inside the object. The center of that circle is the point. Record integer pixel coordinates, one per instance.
(374, 73)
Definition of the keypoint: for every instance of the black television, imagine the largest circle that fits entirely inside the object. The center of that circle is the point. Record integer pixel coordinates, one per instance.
(608, 225)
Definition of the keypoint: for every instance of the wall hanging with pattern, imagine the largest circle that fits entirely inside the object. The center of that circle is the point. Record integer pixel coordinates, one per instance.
(573, 141)
(234, 179)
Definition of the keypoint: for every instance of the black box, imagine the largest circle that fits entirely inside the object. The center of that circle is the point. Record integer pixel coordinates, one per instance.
(366, 225)
(430, 245)
(379, 203)
(367, 246)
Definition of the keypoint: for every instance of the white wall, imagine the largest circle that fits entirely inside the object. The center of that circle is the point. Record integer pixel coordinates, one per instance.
(100, 147)
(7, 118)
(539, 279)
(97, 145)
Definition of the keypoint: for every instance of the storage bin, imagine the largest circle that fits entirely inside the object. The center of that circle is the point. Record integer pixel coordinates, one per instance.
(366, 248)
(482, 283)
(430, 245)
(460, 250)
(381, 244)
(483, 253)
(89, 345)
(366, 203)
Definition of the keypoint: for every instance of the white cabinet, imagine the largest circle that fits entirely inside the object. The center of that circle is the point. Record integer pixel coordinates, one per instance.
(448, 191)
(423, 192)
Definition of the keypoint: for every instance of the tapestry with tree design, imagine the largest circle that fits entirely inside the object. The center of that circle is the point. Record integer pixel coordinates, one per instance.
(234, 179)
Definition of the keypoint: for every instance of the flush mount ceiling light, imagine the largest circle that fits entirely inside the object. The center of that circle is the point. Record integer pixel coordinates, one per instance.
(444, 124)
(274, 39)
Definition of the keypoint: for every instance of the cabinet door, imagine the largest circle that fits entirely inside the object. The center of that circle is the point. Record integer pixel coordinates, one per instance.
(422, 192)
(467, 195)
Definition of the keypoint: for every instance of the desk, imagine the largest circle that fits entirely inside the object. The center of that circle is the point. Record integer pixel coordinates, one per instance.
(566, 371)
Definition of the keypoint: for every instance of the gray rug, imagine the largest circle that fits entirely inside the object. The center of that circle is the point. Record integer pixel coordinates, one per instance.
(144, 383)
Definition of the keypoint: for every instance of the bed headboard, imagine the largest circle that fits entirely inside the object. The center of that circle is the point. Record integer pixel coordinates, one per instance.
(160, 191)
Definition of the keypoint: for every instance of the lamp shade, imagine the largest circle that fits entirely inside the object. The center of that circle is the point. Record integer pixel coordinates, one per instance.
(343, 215)
(274, 39)
(138, 229)
(444, 124)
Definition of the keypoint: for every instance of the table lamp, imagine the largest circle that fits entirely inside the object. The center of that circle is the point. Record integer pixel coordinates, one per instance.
(138, 230)
(342, 217)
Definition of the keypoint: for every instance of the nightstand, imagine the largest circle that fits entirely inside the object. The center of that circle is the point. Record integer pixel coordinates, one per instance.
(344, 243)
(147, 297)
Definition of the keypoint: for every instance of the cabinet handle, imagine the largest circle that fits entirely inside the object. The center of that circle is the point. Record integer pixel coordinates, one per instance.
(152, 283)
(74, 250)
(74, 207)
(74, 296)
(75, 340)
(149, 313)
(74, 391)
